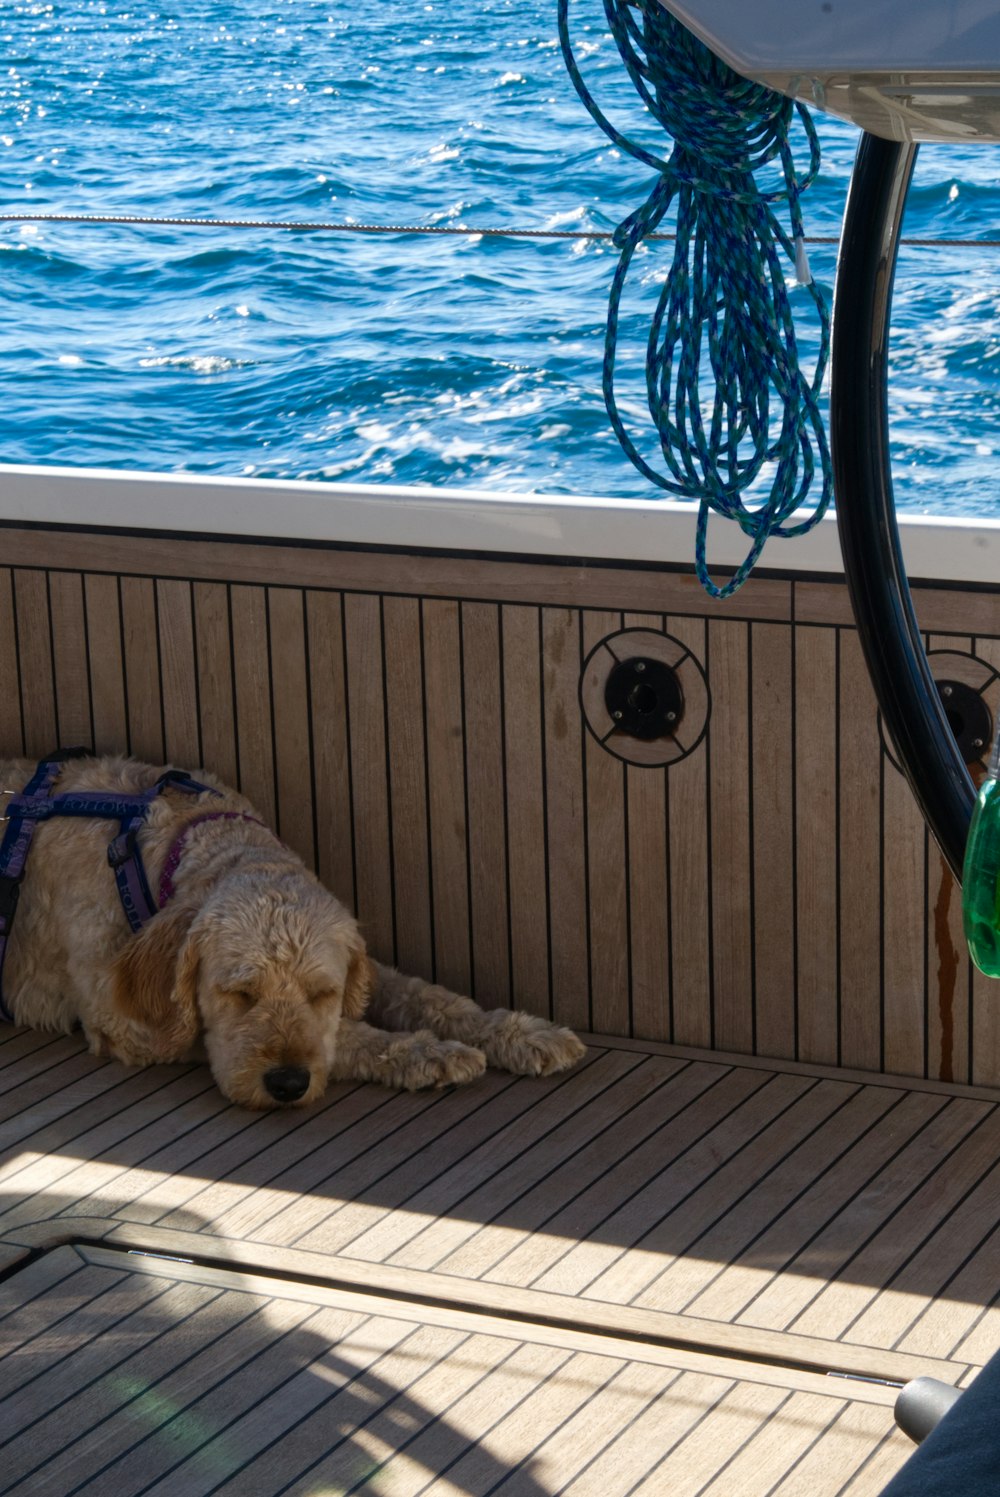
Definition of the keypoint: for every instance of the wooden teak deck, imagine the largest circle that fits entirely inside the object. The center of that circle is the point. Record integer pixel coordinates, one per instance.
(677, 1270)
(666, 1271)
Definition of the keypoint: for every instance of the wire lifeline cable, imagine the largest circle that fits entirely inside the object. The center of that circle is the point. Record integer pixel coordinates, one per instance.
(325, 226)
(313, 226)
(724, 307)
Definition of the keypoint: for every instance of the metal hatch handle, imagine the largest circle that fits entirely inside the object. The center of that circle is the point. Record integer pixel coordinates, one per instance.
(866, 516)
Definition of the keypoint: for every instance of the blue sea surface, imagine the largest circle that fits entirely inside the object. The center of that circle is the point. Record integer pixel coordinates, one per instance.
(462, 361)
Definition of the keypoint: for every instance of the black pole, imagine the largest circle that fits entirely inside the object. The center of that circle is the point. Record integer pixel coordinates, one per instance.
(869, 538)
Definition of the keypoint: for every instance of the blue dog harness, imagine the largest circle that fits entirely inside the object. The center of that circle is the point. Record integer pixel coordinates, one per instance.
(36, 803)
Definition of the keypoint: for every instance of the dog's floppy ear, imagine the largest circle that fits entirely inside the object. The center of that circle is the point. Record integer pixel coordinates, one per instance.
(359, 983)
(155, 983)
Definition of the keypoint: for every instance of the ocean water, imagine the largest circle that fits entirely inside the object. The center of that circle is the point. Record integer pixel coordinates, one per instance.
(462, 361)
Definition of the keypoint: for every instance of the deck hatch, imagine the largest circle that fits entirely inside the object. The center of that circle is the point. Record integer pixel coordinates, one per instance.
(151, 1373)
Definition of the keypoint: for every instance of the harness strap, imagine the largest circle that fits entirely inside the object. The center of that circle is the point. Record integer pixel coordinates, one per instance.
(36, 803)
(123, 851)
(166, 890)
(20, 828)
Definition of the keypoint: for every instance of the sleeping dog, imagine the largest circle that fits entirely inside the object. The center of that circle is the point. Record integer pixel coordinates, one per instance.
(243, 959)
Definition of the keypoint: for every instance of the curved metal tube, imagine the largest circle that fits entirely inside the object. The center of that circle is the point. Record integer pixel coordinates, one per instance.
(869, 538)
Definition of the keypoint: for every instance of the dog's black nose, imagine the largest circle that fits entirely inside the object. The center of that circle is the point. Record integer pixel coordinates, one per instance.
(287, 1083)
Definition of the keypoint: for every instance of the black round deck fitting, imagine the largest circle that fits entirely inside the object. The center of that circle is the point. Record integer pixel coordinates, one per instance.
(968, 718)
(873, 563)
(644, 697)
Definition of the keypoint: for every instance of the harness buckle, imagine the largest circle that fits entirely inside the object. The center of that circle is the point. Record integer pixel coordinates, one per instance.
(122, 848)
(10, 892)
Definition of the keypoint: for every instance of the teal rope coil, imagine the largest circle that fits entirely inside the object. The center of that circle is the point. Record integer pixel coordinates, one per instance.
(724, 316)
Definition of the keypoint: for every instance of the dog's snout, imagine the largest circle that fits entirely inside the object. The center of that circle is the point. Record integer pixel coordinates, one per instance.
(287, 1083)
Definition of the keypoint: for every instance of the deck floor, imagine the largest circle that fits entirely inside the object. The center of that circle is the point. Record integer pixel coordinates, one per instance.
(633, 1277)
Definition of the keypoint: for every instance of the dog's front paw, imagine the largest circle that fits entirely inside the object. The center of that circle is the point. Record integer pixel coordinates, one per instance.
(530, 1046)
(415, 1061)
(428, 1061)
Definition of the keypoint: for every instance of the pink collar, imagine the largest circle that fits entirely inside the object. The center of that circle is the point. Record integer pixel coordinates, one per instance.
(174, 855)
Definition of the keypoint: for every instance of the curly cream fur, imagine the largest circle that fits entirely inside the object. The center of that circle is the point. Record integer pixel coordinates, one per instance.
(252, 964)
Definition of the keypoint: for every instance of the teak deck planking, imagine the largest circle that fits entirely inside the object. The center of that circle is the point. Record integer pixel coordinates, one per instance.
(641, 1272)
(746, 1230)
(242, 1384)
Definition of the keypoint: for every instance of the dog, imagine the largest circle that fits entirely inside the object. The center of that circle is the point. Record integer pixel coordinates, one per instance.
(251, 964)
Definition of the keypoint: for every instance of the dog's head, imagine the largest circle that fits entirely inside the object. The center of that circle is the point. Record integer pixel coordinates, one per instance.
(262, 978)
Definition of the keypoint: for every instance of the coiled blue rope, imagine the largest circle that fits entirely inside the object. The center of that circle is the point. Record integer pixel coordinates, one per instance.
(723, 317)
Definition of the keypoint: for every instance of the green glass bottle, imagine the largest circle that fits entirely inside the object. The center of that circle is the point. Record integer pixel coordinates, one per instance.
(981, 873)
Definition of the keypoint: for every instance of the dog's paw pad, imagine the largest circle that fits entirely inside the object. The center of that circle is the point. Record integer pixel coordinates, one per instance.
(530, 1046)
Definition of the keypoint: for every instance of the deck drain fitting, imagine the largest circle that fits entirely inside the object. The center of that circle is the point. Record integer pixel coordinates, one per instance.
(970, 695)
(968, 717)
(644, 697)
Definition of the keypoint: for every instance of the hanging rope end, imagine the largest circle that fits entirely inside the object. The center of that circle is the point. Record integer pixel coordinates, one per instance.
(803, 274)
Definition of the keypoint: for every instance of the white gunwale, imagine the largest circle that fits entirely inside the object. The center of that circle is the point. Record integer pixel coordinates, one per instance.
(953, 550)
